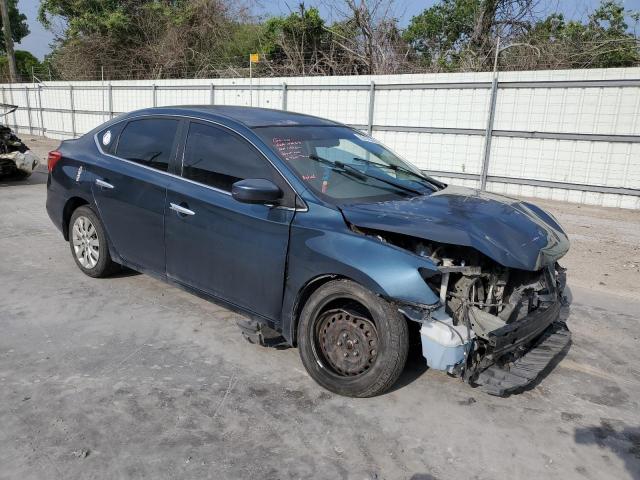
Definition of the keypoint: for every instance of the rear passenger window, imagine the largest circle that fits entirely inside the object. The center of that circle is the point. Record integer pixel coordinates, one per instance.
(148, 142)
(219, 158)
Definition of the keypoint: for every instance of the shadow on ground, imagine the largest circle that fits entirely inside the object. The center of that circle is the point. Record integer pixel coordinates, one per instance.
(614, 435)
(39, 177)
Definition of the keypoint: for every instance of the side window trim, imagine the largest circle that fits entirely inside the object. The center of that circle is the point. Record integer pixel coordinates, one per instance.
(175, 162)
(182, 144)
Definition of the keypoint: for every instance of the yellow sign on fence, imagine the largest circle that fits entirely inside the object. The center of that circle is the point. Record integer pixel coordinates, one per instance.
(254, 58)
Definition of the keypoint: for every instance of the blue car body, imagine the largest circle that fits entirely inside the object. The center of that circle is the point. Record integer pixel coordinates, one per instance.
(265, 261)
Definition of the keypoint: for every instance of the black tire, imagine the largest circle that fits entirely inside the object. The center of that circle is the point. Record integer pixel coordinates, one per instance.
(391, 334)
(103, 266)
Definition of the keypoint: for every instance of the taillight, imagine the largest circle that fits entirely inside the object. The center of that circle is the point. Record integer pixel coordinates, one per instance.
(53, 158)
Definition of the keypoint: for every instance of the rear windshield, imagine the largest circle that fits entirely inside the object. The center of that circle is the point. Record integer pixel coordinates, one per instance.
(343, 165)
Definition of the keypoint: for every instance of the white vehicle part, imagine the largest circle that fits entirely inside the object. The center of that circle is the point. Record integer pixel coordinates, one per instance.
(443, 343)
(25, 162)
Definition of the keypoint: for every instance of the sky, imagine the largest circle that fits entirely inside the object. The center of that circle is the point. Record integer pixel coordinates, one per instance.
(39, 40)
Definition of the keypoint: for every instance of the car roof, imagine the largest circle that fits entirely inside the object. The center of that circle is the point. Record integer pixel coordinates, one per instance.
(249, 116)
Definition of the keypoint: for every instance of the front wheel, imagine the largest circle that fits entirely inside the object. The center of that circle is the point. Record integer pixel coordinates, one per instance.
(351, 341)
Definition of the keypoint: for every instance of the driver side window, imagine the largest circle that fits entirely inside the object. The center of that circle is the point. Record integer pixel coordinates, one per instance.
(218, 158)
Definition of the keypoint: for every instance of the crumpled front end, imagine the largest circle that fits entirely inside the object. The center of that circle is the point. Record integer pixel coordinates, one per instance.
(518, 336)
(494, 326)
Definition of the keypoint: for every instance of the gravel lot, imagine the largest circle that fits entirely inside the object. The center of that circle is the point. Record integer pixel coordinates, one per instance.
(128, 377)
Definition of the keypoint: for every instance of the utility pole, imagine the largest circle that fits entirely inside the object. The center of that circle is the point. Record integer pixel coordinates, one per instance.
(8, 41)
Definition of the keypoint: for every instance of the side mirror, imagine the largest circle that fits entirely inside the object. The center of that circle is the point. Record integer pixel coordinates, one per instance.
(256, 190)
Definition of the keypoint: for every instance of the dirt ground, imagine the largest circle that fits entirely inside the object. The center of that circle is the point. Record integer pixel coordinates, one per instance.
(128, 377)
(605, 246)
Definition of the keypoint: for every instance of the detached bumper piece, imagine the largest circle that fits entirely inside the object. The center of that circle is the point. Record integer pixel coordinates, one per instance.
(259, 334)
(501, 380)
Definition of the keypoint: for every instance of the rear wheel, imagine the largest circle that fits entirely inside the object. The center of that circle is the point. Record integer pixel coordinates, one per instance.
(351, 341)
(88, 243)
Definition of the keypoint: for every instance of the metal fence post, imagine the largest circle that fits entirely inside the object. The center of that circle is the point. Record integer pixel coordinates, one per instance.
(42, 129)
(212, 93)
(372, 99)
(15, 119)
(155, 94)
(488, 134)
(110, 101)
(284, 96)
(4, 100)
(73, 112)
(26, 91)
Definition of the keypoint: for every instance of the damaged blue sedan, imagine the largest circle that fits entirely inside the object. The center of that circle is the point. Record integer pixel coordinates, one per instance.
(316, 231)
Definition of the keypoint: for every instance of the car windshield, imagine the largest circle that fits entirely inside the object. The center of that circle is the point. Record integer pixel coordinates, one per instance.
(343, 165)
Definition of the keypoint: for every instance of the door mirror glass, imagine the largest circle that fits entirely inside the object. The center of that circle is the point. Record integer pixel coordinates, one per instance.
(256, 190)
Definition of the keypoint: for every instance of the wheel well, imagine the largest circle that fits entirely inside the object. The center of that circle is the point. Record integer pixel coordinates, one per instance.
(310, 287)
(304, 294)
(69, 208)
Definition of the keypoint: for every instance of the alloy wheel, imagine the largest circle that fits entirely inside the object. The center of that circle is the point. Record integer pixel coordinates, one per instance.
(86, 245)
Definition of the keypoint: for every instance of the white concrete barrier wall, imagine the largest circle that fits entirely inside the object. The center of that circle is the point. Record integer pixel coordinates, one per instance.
(571, 135)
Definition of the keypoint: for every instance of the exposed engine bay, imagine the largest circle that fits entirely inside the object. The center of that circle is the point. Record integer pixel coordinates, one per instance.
(15, 157)
(489, 317)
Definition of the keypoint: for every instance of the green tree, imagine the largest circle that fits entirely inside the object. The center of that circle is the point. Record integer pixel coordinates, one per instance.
(440, 33)
(462, 34)
(19, 27)
(25, 61)
(603, 41)
(87, 17)
(153, 38)
(298, 40)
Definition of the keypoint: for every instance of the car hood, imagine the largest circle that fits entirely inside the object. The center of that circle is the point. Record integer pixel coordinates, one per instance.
(515, 234)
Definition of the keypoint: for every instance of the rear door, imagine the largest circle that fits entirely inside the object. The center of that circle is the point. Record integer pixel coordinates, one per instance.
(130, 190)
(231, 250)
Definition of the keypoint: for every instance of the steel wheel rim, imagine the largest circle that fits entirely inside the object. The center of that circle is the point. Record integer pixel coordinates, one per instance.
(347, 343)
(86, 244)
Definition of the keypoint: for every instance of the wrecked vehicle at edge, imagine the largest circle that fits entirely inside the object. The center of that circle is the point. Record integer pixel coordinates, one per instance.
(318, 232)
(15, 157)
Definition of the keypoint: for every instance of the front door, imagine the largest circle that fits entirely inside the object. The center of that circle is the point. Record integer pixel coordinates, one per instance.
(234, 251)
(131, 194)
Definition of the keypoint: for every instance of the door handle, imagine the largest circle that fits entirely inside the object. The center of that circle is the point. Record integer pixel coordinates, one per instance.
(103, 184)
(181, 210)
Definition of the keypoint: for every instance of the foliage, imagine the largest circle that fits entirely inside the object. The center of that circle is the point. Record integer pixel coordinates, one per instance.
(25, 62)
(302, 43)
(18, 21)
(603, 41)
(462, 34)
(178, 38)
(439, 34)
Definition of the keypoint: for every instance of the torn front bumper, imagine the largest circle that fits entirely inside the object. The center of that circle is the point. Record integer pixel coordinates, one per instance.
(519, 352)
(503, 379)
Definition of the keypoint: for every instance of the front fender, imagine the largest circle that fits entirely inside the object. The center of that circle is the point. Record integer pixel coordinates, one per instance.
(322, 246)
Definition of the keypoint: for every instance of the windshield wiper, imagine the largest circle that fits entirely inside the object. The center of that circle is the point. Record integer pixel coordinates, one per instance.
(398, 168)
(345, 167)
